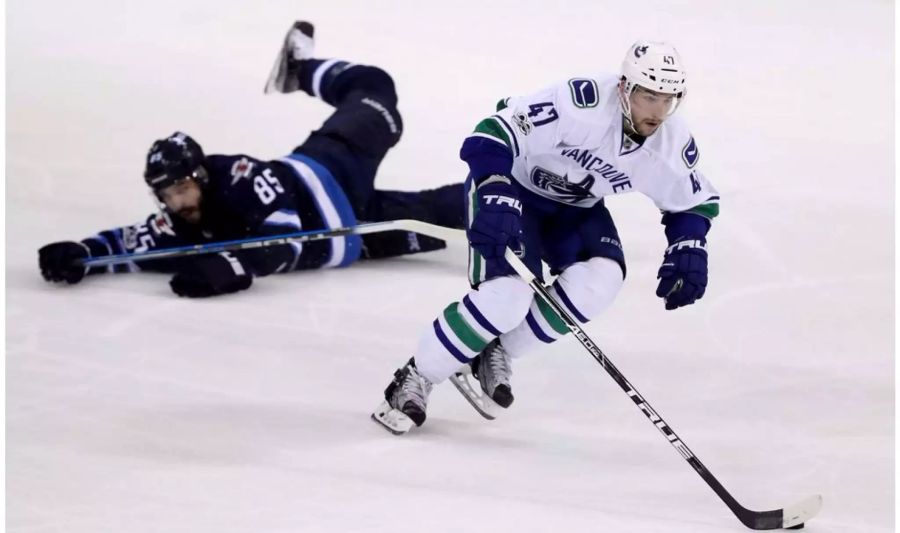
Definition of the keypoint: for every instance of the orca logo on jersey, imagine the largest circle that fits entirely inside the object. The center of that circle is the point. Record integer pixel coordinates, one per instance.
(560, 187)
(640, 50)
(690, 154)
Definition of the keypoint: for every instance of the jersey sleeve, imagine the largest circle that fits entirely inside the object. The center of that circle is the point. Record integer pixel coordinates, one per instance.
(505, 137)
(154, 233)
(685, 188)
(492, 146)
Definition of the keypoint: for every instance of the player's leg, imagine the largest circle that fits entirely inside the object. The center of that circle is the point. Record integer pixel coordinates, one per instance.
(464, 329)
(365, 123)
(585, 251)
(443, 206)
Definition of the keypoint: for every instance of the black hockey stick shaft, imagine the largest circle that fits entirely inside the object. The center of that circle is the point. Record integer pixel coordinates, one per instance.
(752, 519)
(432, 230)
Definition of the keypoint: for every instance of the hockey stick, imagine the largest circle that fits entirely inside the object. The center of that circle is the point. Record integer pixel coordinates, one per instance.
(791, 517)
(431, 230)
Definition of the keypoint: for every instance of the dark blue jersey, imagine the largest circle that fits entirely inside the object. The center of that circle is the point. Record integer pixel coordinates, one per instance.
(247, 197)
(327, 182)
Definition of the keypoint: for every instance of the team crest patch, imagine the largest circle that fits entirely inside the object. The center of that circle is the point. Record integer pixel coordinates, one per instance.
(241, 168)
(560, 187)
(584, 92)
(690, 153)
(522, 123)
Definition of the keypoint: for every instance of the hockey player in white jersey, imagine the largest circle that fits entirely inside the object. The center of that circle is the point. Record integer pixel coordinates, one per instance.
(540, 169)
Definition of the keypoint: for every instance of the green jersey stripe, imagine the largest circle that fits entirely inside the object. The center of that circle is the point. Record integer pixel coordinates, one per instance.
(463, 330)
(706, 210)
(453, 338)
(475, 261)
(492, 129)
(551, 317)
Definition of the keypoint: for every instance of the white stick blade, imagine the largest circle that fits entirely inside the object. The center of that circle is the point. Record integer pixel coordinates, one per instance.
(799, 513)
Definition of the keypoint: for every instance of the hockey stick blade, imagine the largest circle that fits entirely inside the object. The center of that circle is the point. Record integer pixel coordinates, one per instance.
(791, 517)
(796, 515)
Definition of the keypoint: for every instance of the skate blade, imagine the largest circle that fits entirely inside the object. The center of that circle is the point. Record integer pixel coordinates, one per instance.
(276, 76)
(485, 406)
(392, 419)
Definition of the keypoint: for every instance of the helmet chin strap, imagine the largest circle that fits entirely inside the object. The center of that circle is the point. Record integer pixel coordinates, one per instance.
(628, 125)
(625, 104)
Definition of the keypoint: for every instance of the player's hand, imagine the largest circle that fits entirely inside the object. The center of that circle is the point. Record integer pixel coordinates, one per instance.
(683, 274)
(61, 261)
(210, 275)
(497, 223)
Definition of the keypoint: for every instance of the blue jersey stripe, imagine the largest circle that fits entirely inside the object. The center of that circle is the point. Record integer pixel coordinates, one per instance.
(333, 205)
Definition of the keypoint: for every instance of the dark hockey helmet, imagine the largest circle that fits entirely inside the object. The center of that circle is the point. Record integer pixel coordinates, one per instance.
(172, 159)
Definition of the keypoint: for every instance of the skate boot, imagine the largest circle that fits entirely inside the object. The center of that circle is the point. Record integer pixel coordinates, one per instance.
(298, 44)
(406, 399)
(492, 369)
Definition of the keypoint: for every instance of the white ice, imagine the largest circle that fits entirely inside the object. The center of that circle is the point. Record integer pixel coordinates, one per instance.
(129, 409)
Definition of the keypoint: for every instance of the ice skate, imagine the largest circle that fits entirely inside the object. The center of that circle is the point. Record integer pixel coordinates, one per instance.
(298, 44)
(492, 370)
(406, 399)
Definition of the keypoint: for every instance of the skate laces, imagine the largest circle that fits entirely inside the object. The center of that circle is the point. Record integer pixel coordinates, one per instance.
(414, 387)
(498, 365)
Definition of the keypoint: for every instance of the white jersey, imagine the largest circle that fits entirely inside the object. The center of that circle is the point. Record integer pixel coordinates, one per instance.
(568, 145)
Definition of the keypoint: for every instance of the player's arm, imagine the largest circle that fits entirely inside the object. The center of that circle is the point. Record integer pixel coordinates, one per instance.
(61, 261)
(689, 204)
(492, 194)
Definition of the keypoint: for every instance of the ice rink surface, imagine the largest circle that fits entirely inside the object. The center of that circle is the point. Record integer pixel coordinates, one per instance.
(129, 409)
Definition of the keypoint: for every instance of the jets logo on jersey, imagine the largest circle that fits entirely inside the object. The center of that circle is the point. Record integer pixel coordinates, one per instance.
(242, 168)
(161, 224)
(560, 187)
(584, 92)
(690, 154)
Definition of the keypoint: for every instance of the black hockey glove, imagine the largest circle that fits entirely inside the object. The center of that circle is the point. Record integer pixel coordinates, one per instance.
(683, 274)
(497, 223)
(61, 261)
(211, 275)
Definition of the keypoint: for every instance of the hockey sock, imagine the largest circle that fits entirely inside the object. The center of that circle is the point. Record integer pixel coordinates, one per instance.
(464, 328)
(585, 289)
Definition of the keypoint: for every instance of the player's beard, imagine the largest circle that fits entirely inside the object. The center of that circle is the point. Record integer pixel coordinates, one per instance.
(190, 214)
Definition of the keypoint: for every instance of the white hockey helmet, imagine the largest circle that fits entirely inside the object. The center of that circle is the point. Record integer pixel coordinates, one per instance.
(654, 66)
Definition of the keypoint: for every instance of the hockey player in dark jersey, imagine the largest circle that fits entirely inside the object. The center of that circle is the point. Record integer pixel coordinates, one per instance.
(327, 182)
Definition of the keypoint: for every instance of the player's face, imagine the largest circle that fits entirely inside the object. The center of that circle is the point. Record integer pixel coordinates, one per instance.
(183, 198)
(649, 109)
